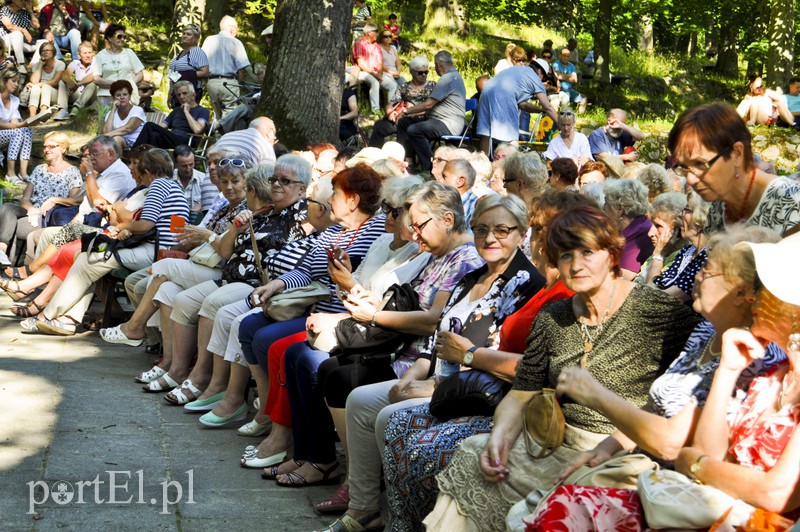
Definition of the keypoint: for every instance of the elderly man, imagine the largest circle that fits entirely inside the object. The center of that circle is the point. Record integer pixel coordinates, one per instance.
(227, 60)
(567, 75)
(614, 137)
(460, 175)
(59, 25)
(368, 57)
(254, 144)
(441, 114)
(182, 122)
(79, 79)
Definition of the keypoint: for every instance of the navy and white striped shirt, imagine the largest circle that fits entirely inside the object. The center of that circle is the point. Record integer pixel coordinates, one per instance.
(164, 199)
(315, 265)
(194, 60)
(287, 259)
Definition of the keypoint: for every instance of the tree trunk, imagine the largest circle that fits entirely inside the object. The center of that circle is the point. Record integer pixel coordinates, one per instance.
(728, 57)
(602, 43)
(780, 60)
(187, 12)
(303, 83)
(445, 16)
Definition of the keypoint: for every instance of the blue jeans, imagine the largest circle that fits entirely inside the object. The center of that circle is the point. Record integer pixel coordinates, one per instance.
(71, 40)
(312, 425)
(258, 332)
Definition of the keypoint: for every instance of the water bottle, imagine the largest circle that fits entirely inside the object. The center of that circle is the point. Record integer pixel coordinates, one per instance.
(445, 368)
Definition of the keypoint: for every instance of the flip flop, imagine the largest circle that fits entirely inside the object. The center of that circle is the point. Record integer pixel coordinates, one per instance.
(114, 335)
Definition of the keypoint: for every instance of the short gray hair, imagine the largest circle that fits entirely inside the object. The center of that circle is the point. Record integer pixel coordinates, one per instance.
(297, 165)
(398, 189)
(594, 191)
(106, 142)
(257, 178)
(627, 195)
(323, 190)
(437, 199)
(386, 168)
(443, 58)
(513, 204)
(463, 169)
(481, 164)
(654, 177)
(184, 83)
(526, 167)
(418, 62)
(699, 208)
(669, 206)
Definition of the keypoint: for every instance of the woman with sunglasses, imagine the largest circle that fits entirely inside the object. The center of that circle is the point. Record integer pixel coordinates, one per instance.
(391, 60)
(115, 63)
(475, 309)
(409, 94)
(277, 214)
(712, 148)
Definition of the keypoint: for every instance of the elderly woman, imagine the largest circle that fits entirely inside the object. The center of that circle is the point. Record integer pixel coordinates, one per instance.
(271, 228)
(654, 177)
(416, 438)
(592, 172)
(14, 134)
(392, 258)
(164, 199)
(666, 215)
(124, 121)
(52, 184)
(413, 93)
(190, 64)
(752, 456)
(724, 296)
(18, 23)
(626, 203)
(524, 175)
(563, 174)
(453, 255)
(569, 142)
(185, 273)
(117, 63)
(354, 202)
(712, 147)
(45, 81)
(678, 278)
(624, 334)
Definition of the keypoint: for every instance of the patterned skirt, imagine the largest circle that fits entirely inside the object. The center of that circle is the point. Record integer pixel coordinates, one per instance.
(418, 447)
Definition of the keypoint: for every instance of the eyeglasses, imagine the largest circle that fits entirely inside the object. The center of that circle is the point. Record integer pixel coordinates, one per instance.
(704, 274)
(685, 211)
(237, 163)
(436, 160)
(284, 181)
(50, 146)
(700, 169)
(547, 57)
(507, 181)
(500, 232)
(389, 210)
(387, 35)
(417, 228)
(315, 202)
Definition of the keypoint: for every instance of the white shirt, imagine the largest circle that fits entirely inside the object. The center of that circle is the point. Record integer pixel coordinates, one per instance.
(226, 55)
(114, 182)
(580, 147)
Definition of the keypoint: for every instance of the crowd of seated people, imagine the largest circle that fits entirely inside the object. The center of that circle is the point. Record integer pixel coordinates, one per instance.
(660, 306)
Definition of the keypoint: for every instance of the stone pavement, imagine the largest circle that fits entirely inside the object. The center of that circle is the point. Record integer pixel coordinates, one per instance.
(71, 412)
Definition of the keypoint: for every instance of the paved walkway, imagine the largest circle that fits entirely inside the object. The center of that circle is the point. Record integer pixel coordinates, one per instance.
(71, 412)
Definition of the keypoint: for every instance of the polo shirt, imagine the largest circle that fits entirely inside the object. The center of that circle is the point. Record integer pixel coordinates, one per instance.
(452, 96)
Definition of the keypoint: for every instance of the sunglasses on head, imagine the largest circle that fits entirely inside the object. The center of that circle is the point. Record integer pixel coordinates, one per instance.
(238, 163)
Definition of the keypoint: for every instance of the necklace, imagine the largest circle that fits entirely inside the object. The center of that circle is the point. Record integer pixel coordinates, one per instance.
(336, 244)
(708, 353)
(588, 340)
(785, 390)
(747, 195)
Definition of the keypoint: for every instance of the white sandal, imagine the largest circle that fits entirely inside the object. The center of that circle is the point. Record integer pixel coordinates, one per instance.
(154, 386)
(114, 335)
(154, 373)
(178, 396)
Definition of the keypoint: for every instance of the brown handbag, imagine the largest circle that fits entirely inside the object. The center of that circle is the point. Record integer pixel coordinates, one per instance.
(543, 424)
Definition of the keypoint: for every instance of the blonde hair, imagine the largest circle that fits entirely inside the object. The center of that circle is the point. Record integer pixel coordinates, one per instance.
(733, 257)
(59, 138)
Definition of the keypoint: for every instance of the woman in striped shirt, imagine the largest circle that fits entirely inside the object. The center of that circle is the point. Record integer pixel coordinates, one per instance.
(164, 199)
(191, 64)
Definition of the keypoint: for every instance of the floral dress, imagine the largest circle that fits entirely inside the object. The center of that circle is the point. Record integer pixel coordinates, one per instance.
(48, 184)
(419, 445)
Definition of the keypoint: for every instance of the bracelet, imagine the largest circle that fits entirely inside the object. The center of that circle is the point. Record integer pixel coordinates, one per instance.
(659, 258)
(695, 467)
(372, 321)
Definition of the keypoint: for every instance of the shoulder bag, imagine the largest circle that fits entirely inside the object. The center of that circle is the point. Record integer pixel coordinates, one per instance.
(543, 424)
(206, 255)
(467, 393)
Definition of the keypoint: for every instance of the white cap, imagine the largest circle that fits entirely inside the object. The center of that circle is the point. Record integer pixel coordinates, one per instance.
(267, 31)
(776, 267)
(394, 150)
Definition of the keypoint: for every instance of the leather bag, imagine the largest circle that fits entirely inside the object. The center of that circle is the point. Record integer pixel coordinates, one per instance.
(543, 424)
(293, 303)
(467, 393)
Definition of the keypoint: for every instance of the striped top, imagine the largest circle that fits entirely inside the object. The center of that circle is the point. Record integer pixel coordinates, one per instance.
(247, 144)
(164, 199)
(195, 59)
(315, 266)
(290, 256)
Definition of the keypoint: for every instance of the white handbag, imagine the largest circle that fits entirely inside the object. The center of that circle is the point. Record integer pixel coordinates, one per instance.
(205, 255)
(671, 500)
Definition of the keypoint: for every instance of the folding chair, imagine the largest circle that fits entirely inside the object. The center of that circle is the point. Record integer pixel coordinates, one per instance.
(201, 142)
(471, 105)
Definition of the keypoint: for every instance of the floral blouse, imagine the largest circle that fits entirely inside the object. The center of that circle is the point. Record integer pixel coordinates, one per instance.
(220, 221)
(412, 95)
(778, 208)
(272, 231)
(758, 443)
(48, 184)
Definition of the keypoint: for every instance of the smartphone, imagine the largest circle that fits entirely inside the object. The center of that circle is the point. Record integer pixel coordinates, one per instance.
(176, 223)
(333, 253)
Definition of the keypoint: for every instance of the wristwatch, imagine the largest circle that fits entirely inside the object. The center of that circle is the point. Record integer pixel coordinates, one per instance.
(695, 467)
(469, 355)
(211, 238)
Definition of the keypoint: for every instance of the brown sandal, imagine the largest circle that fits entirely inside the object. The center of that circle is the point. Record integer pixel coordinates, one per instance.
(16, 294)
(25, 312)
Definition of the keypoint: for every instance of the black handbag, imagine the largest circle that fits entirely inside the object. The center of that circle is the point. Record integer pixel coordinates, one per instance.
(467, 393)
(102, 243)
(372, 345)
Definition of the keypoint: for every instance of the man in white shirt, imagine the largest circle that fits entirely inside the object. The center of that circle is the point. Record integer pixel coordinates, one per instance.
(79, 78)
(189, 179)
(227, 60)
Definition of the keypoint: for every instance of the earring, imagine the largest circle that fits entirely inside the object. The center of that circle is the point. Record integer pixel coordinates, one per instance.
(794, 342)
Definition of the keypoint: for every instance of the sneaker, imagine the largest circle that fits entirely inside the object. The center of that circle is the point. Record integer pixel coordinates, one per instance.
(62, 115)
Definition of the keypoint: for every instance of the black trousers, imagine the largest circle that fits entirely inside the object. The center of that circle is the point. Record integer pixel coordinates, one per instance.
(159, 137)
